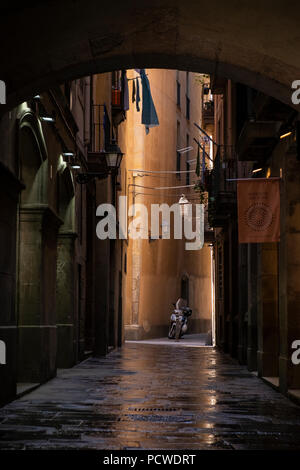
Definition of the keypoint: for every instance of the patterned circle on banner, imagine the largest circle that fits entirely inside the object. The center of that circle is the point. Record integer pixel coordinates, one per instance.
(259, 216)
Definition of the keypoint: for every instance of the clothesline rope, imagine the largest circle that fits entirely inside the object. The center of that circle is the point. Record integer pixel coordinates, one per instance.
(163, 171)
(163, 187)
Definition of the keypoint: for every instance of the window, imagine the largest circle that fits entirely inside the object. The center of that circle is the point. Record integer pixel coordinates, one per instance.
(178, 147)
(187, 114)
(178, 165)
(116, 82)
(187, 83)
(187, 174)
(187, 96)
(187, 179)
(178, 88)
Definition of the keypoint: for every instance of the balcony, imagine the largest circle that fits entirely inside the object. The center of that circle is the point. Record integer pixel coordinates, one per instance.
(257, 140)
(118, 113)
(267, 108)
(222, 193)
(100, 138)
(218, 85)
(209, 233)
(208, 113)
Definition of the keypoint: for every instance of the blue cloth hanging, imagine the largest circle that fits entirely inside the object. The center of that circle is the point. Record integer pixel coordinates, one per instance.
(133, 91)
(149, 115)
(125, 91)
(137, 96)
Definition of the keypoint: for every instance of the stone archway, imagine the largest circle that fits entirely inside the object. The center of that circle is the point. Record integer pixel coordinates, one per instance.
(255, 43)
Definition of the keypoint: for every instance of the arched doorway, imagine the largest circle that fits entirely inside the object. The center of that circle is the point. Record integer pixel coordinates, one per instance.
(185, 291)
(35, 258)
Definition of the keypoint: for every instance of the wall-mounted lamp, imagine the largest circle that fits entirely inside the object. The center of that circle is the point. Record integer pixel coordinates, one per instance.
(286, 134)
(47, 118)
(70, 158)
(68, 154)
(183, 202)
(113, 156)
(75, 166)
(257, 170)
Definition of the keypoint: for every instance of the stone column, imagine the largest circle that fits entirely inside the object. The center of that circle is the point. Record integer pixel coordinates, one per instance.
(267, 314)
(289, 271)
(36, 293)
(243, 303)
(65, 299)
(134, 330)
(252, 307)
(102, 278)
(232, 286)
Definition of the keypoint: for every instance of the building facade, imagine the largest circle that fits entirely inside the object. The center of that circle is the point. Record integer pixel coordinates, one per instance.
(158, 265)
(257, 285)
(61, 286)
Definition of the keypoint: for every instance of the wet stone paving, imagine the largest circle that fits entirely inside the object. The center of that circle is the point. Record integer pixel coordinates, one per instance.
(146, 396)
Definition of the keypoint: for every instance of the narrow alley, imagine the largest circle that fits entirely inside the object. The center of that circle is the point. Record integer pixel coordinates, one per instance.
(149, 229)
(147, 396)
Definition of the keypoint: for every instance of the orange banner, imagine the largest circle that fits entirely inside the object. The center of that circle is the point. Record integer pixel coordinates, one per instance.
(258, 210)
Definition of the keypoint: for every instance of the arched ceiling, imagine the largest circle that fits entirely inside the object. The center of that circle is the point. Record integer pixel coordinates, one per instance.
(45, 42)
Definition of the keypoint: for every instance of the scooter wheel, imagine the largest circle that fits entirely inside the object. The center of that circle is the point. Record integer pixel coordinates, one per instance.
(171, 334)
(178, 331)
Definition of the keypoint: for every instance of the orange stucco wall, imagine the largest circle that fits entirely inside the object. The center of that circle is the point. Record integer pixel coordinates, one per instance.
(155, 268)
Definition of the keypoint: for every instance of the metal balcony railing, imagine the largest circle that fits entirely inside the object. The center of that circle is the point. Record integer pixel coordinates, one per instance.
(224, 169)
(100, 128)
(208, 112)
(222, 191)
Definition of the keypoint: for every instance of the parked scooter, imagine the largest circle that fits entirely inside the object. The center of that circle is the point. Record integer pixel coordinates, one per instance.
(179, 320)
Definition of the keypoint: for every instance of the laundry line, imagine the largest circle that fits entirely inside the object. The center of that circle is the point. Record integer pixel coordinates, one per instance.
(163, 171)
(162, 187)
(165, 177)
(167, 195)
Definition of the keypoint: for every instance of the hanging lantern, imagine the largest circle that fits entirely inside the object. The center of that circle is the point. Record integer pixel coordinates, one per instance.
(184, 205)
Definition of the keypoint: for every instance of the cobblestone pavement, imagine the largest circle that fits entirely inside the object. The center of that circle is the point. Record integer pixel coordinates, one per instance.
(147, 396)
